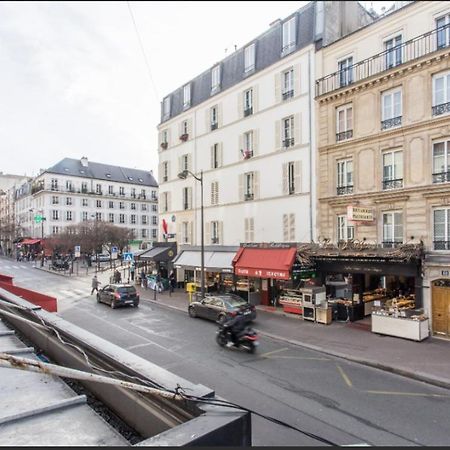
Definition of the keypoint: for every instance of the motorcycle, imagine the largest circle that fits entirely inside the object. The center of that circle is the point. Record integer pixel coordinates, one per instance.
(248, 339)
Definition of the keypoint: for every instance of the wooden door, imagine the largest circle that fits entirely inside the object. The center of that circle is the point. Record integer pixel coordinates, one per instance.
(441, 310)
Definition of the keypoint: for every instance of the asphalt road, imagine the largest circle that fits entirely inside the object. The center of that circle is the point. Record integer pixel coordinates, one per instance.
(344, 402)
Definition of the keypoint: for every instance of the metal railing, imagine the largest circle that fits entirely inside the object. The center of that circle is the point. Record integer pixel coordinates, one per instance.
(344, 135)
(289, 142)
(441, 245)
(248, 111)
(391, 123)
(393, 184)
(248, 196)
(344, 190)
(441, 177)
(214, 126)
(411, 50)
(443, 108)
(391, 244)
(288, 94)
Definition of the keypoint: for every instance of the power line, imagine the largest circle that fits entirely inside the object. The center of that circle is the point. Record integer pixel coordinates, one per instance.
(143, 52)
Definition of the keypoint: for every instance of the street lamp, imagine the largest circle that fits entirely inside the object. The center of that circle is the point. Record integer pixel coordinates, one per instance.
(183, 175)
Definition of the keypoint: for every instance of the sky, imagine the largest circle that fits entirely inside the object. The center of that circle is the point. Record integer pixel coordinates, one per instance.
(87, 78)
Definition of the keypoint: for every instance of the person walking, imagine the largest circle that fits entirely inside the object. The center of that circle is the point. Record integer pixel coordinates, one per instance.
(143, 279)
(172, 281)
(95, 283)
(132, 269)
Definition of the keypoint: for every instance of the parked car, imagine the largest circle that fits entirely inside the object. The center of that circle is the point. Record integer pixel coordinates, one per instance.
(218, 307)
(118, 295)
(61, 263)
(102, 257)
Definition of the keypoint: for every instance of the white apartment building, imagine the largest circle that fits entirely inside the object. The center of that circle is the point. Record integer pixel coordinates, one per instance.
(75, 191)
(244, 128)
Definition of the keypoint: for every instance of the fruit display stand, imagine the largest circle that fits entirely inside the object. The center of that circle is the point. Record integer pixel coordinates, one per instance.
(291, 300)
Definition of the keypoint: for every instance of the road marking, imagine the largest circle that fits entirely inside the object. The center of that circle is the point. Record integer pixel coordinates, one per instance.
(265, 355)
(344, 376)
(302, 357)
(79, 291)
(412, 394)
(68, 293)
(16, 267)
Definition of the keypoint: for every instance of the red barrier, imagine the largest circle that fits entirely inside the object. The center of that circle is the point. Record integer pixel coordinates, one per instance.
(45, 301)
(6, 279)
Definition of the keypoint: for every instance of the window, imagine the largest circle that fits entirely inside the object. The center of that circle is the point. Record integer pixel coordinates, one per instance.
(68, 201)
(165, 171)
(69, 215)
(247, 151)
(55, 214)
(442, 26)
(291, 177)
(345, 232)
(214, 118)
(98, 189)
(84, 202)
(344, 177)
(133, 192)
(344, 123)
(143, 233)
(288, 84)
(166, 108)
(154, 233)
(121, 205)
(215, 156)
(288, 37)
(98, 216)
(392, 229)
(143, 207)
(187, 198)
(154, 197)
(69, 186)
(133, 219)
(215, 232)
(249, 225)
(99, 203)
(214, 193)
(110, 189)
(391, 109)
(111, 217)
(249, 186)
(121, 190)
(393, 169)
(184, 130)
(111, 205)
(154, 208)
(441, 162)
(249, 58)
(186, 232)
(289, 227)
(55, 229)
(55, 200)
(121, 218)
(144, 220)
(154, 220)
(184, 162)
(54, 184)
(165, 202)
(84, 187)
(215, 79)
(441, 229)
(441, 94)
(248, 102)
(187, 96)
(84, 216)
(288, 132)
(345, 71)
(393, 51)
(133, 206)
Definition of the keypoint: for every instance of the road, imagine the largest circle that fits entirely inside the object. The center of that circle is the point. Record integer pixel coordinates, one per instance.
(344, 402)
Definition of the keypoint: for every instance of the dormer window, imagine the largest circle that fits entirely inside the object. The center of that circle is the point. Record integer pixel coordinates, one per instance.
(187, 96)
(108, 175)
(289, 40)
(249, 58)
(166, 108)
(215, 79)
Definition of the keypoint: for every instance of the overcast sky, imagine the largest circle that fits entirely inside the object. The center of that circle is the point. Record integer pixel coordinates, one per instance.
(74, 80)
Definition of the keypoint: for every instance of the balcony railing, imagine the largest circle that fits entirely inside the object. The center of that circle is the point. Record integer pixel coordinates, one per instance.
(214, 126)
(288, 94)
(289, 142)
(344, 135)
(391, 123)
(392, 244)
(411, 50)
(248, 196)
(344, 190)
(441, 245)
(440, 109)
(441, 177)
(393, 184)
(248, 111)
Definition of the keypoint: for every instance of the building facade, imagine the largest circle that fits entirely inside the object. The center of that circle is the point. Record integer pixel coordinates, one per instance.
(383, 131)
(75, 191)
(244, 128)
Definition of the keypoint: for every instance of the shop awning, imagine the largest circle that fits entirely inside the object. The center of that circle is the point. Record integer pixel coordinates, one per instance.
(158, 254)
(27, 241)
(215, 261)
(275, 263)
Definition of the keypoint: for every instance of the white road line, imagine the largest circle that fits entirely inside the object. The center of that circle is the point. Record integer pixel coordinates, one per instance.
(71, 294)
(16, 267)
(79, 291)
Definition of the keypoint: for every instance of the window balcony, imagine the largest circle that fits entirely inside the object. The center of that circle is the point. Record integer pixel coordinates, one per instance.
(418, 47)
(391, 123)
(214, 240)
(291, 189)
(164, 145)
(344, 190)
(392, 244)
(248, 196)
(344, 135)
(440, 109)
(248, 111)
(392, 184)
(441, 245)
(289, 142)
(214, 126)
(186, 206)
(287, 94)
(441, 177)
(184, 137)
(247, 154)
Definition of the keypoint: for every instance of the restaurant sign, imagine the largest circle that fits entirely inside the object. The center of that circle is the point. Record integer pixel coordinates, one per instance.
(262, 273)
(357, 214)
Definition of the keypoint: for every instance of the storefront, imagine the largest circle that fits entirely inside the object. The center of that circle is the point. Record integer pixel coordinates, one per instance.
(263, 270)
(158, 258)
(217, 266)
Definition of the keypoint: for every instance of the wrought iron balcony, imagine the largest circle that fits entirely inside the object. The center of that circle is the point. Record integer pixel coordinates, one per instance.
(291, 189)
(391, 123)
(441, 177)
(344, 135)
(411, 50)
(393, 184)
(440, 109)
(392, 244)
(441, 245)
(248, 196)
(344, 190)
(248, 111)
(288, 94)
(289, 142)
(214, 126)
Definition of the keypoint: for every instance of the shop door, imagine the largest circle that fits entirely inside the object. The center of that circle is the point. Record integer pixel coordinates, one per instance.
(441, 310)
(265, 292)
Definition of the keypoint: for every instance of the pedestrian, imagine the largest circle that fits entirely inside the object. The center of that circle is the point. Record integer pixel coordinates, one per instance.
(95, 284)
(116, 277)
(158, 282)
(132, 269)
(172, 281)
(143, 279)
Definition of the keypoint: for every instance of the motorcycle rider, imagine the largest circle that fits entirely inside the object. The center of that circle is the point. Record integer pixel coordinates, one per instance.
(236, 325)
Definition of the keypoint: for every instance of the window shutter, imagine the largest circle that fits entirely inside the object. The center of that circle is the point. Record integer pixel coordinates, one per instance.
(212, 192)
(255, 141)
(255, 99)
(246, 229)
(208, 120)
(256, 184)
(292, 227)
(189, 161)
(297, 80)
(208, 233)
(189, 199)
(191, 232)
(168, 137)
(220, 233)
(252, 229)
(212, 156)
(277, 87)
(285, 228)
(220, 157)
(297, 129)
(219, 115)
(168, 170)
(240, 101)
(180, 232)
(298, 176)
(189, 126)
(180, 164)
(277, 134)
(240, 147)
(160, 173)
(241, 187)
(285, 179)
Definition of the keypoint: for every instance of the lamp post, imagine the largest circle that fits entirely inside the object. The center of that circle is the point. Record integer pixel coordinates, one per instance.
(183, 175)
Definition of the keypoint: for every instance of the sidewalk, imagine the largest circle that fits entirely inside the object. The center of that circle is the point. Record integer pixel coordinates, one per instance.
(427, 361)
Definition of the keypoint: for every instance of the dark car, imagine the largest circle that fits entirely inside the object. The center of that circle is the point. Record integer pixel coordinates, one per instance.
(217, 307)
(60, 263)
(118, 295)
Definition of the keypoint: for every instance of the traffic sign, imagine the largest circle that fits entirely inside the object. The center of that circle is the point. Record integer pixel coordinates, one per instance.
(77, 251)
(38, 218)
(113, 252)
(128, 256)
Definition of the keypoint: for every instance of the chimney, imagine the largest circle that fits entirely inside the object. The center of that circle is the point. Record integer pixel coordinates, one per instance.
(84, 161)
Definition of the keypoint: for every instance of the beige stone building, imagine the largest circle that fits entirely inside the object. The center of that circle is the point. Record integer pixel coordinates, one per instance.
(383, 134)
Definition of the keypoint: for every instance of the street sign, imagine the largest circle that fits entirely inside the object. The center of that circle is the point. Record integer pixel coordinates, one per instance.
(128, 256)
(114, 252)
(168, 235)
(77, 251)
(38, 218)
